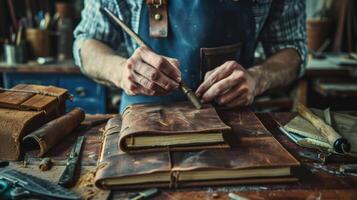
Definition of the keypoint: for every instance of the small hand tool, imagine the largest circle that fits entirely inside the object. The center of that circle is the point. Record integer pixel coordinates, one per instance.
(144, 194)
(340, 144)
(18, 185)
(184, 88)
(67, 178)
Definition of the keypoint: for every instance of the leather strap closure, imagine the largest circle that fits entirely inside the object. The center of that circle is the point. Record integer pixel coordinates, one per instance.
(158, 18)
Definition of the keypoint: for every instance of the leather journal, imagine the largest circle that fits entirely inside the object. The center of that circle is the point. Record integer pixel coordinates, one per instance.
(257, 158)
(23, 109)
(182, 127)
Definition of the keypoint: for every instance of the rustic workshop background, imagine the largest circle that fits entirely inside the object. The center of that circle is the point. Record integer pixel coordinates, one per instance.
(45, 56)
(36, 38)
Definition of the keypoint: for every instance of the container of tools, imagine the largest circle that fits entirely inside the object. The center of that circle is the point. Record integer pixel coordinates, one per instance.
(15, 54)
(15, 48)
(39, 42)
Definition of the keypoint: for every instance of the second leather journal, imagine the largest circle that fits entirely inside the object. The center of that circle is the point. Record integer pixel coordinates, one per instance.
(178, 126)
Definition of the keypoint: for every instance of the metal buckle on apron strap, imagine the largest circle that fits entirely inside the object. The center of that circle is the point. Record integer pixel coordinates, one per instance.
(158, 18)
(154, 2)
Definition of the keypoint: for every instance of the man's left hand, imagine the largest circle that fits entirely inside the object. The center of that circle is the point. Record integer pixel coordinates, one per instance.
(229, 84)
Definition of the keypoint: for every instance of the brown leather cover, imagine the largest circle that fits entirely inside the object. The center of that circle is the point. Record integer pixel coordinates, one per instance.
(158, 26)
(256, 150)
(170, 119)
(24, 112)
(41, 140)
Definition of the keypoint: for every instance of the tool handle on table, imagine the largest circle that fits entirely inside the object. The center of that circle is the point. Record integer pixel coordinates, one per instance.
(339, 144)
(67, 177)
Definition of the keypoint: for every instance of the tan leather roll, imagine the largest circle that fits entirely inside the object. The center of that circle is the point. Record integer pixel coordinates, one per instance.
(41, 140)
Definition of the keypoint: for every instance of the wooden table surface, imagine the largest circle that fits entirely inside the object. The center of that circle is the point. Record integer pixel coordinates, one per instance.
(316, 181)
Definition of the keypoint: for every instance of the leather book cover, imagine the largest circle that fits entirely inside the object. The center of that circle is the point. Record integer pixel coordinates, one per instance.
(179, 125)
(256, 158)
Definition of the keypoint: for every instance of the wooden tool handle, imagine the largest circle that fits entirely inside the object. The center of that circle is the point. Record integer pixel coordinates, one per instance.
(325, 129)
(126, 29)
(340, 144)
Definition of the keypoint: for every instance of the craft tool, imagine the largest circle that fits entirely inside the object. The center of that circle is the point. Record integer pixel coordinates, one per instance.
(68, 176)
(184, 88)
(340, 145)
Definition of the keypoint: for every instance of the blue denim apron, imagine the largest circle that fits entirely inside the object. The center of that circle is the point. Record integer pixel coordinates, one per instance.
(196, 24)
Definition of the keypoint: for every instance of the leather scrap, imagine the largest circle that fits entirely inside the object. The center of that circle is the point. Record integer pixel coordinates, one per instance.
(41, 140)
(14, 126)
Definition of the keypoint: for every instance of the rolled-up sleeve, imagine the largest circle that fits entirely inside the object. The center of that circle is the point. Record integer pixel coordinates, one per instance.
(94, 25)
(286, 28)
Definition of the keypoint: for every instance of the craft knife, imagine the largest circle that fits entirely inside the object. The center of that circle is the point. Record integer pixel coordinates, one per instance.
(68, 175)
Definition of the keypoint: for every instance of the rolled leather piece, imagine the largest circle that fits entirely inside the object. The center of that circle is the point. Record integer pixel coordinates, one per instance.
(41, 140)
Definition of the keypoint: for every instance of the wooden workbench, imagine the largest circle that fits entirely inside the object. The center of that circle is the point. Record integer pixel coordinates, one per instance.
(317, 181)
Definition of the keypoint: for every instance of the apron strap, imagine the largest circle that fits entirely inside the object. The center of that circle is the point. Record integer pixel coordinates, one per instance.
(158, 17)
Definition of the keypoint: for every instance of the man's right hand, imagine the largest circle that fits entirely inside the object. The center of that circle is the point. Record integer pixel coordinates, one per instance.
(147, 73)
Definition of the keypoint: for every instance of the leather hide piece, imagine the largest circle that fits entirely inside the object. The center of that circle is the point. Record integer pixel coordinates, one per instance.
(41, 140)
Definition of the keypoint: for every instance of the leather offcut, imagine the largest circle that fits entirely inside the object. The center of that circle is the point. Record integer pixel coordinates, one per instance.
(43, 139)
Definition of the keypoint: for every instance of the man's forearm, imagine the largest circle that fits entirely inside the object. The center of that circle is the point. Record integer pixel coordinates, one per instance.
(278, 70)
(100, 62)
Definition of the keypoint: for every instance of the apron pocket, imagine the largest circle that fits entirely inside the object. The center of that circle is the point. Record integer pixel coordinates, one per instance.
(215, 56)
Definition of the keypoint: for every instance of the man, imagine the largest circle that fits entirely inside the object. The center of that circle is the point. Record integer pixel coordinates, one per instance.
(209, 45)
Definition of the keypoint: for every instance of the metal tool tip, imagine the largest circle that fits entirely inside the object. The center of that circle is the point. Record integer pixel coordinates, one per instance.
(193, 98)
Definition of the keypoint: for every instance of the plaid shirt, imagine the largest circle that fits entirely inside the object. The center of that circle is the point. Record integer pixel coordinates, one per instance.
(280, 24)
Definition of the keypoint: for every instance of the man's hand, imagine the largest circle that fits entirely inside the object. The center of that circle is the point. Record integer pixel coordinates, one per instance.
(147, 73)
(229, 84)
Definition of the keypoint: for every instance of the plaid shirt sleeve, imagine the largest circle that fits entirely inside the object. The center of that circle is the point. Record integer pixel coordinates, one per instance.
(94, 25)
(286, 28)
